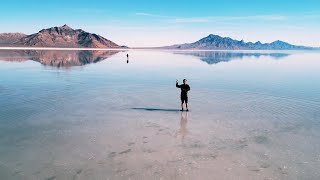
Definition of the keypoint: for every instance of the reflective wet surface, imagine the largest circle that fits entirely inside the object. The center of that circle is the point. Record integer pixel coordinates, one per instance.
(99, 115)
(57, 58)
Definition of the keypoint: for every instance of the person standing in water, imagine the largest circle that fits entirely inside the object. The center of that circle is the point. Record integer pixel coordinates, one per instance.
(127, 58)
(184, 93)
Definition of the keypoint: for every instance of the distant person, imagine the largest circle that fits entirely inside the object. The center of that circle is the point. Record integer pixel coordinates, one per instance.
(127, 58)
(184, 93)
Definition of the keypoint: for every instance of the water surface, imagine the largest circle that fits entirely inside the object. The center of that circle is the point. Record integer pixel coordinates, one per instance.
(97, 115)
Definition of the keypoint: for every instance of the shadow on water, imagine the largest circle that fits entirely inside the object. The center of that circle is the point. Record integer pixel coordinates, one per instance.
(157, 109)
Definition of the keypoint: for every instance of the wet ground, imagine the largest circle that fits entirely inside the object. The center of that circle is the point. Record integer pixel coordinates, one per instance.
(97, 115)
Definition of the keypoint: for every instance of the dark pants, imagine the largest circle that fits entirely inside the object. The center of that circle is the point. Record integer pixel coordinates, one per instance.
(184, 98)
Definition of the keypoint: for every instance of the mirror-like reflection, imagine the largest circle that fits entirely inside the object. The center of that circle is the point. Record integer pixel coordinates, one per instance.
(255, 117)
(68, 58)
(214, 57)
(183, 130)
(58, 58)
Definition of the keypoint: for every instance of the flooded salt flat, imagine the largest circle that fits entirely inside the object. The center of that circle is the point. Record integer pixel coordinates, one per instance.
(97, 115)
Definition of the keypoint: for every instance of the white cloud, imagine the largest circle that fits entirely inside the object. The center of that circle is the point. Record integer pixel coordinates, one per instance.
(84, 10)
(151, 15)
(189, 20)
(173, 19)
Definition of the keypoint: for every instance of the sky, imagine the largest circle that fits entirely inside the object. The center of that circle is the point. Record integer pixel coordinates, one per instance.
(153, 23)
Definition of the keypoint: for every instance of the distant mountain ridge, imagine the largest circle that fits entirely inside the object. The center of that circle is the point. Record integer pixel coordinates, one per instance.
(66, 37)
(216, 42)
(11, 38)
(63, 36)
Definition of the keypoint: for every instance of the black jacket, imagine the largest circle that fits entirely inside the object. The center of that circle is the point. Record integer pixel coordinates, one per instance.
(184, 89)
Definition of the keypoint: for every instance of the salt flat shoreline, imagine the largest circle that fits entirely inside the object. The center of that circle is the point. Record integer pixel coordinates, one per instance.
(141, 48)
(56, 48)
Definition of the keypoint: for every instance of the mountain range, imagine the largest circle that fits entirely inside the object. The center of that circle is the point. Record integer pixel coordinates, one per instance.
(10, 38)
(66, 37)
(63, 36)
(215, 42)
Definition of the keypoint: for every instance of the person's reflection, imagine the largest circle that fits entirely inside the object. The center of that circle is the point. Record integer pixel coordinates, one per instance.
(183, 131)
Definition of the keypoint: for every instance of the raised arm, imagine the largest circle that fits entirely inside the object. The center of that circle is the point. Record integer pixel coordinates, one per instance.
(177, 85)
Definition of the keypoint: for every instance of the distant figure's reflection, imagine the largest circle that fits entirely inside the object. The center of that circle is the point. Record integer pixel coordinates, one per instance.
(183, 131)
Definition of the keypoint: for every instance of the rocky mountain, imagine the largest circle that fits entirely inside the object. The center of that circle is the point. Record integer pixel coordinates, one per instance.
(10, 38)
(63, 36)
(226, 43)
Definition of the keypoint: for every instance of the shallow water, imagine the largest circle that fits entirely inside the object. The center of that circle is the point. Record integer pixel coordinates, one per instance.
(95, 115)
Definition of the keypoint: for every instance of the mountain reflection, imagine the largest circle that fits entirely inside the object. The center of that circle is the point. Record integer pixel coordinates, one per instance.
(58, 58)
(215, 57)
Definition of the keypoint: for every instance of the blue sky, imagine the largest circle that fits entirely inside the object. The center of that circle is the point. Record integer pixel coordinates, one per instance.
(166, 22)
